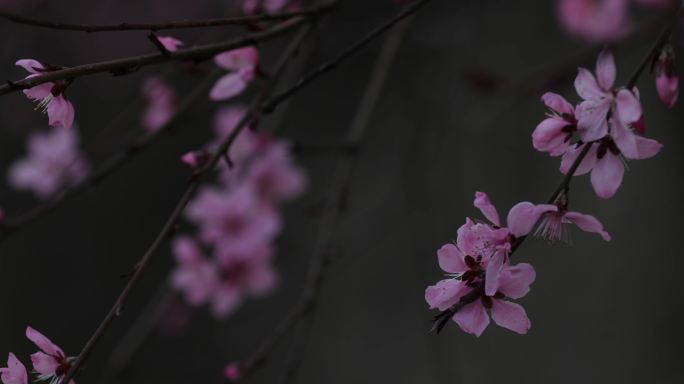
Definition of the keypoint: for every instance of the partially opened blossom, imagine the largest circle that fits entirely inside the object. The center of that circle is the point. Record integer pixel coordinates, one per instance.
(274, 175)
(242, 65)
(51, 363)
(160, 100)
(170, 43)
(553, 226)
(53, 162)
(513, 282)
(667, 81)
(15, 372)
(596, 21)
(601, 100)
(554, 133)
(50, 96)
(233, 218)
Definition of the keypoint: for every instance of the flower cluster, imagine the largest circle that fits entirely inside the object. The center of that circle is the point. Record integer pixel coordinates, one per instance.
(50, 363)
(237, 220)
(606, 129)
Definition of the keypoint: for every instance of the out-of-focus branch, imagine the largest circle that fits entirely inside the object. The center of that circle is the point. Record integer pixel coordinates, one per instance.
(131, 64)
(170, 223)
(179, 24)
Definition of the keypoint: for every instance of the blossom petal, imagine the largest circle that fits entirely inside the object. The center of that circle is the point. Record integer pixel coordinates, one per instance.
(486, 207)
(514, 282)
(605, 69)
(585, 166)
(15, 373)
(586, 85)
(238, 58)
(472, 318)
(548, 136)
(606, 176)
(628, 106)
(44, 363)
(451, 259)
(587, 223)
(647, 148)
(60, 112)
(493, 270)
(592, 119)
(228, 86)
(31, 66)
(43, 342)
(445, 293)
(511, 316)
(557, 103)
(523, 216)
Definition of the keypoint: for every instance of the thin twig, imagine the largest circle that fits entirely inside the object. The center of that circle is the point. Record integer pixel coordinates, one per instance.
(170, 223)
(179, 24)
(131, 64)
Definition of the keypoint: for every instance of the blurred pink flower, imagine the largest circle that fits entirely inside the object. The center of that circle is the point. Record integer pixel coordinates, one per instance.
(194, 276)
(226, 120)
(554, 133)
(15, 373)
(50, 96)
(597, 21)
(242, 65)
(667, 81)
(160, 100)
(51, 363)
(232, 372)
(274, 175)
(53, 162)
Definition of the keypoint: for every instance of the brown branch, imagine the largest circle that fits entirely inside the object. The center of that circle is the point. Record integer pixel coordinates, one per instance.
(131, 64)
(180, 24)
(170, 223)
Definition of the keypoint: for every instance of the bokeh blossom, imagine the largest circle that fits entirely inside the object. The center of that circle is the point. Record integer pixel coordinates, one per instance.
(241, 65)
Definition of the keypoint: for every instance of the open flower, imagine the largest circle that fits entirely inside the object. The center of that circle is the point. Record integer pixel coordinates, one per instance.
(596, 21)
(54, 161)
(50, 96)
(15, 373)
(553, 226)
(241, 64)
(51, 363)
(554, 133)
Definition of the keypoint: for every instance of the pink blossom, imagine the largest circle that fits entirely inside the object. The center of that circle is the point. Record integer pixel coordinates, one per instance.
(53, 162)
(195, 159)
(274, 175)
(170, 43)
(15, 373)
(160, 101)
(600, 100)
(194, 276)
(242, 65)
(226, 120)
(51, 363)
(667, 81)
(50, 96)
(512, 282)
(554, 133)
(597, 21)
(553, 226)
(233, 219)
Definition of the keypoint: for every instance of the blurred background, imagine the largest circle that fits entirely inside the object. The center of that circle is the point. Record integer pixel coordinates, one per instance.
(455, 115)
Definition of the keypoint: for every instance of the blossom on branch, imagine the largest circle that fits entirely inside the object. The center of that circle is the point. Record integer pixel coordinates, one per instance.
(242, 66)
(50, 96)
(554, 133)
(50, 363)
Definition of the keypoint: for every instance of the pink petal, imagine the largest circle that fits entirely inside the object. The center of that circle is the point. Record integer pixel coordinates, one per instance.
(585, 166)
(605, 69)
(228, 86)
(451, 259)
(587, 223)
(557, 103)
(592, 119)
(39, 92)
(170, 43)
(486, 207)
(60, 112)
(646, 148)
(606, 176)
(186, 250)
(43, 342)
(44, 363)
(445, 293)
(548, 136)
(523, 216)
(511, 316)
(472, 318)
(514, 282)
(225, 301)
(668, 89)
(493, 270)
(587, 87)
(238, 58)
(15, 373)
(628, 106)
(31, 66)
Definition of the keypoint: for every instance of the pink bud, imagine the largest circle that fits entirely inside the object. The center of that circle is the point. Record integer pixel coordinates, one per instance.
(190, 159)
(667, 81)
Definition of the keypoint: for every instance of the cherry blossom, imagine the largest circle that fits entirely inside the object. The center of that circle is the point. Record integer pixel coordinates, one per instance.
(160, 99)
(50, 96)
(242, 65)
(273, 174)
(553, 226)
(15, 373)
(554, 133)
(597, 21)
(51, 363)
(667, 81)
(53, 162)
(195, 276)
